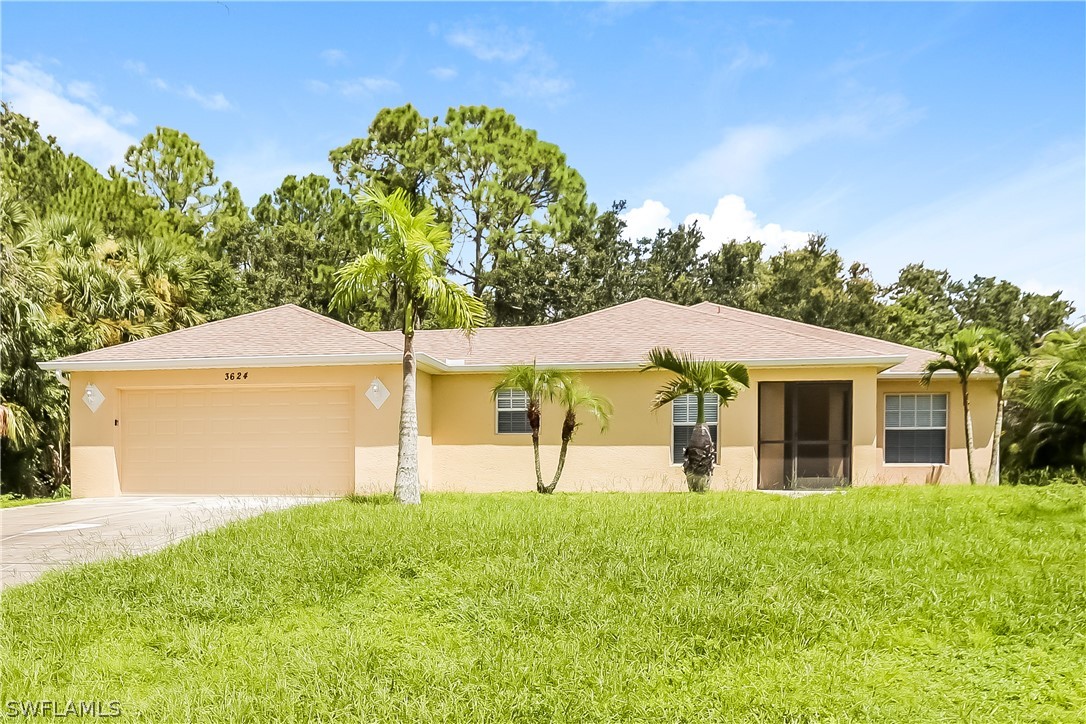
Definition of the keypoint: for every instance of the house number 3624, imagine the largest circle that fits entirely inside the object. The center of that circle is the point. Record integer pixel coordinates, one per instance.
(235, 376)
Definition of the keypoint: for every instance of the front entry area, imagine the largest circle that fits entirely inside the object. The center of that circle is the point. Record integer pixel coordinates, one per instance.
(804, 435)
(244, 440)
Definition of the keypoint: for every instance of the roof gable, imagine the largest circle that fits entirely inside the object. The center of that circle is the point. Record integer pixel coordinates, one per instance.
(284, 331)
(915, 358)
(616, 337)
(624, 334)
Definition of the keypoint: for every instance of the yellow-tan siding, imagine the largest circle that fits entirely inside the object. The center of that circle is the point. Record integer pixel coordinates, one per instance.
(459, 446)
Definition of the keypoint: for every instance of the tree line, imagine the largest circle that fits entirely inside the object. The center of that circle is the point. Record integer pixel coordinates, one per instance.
(160, 243)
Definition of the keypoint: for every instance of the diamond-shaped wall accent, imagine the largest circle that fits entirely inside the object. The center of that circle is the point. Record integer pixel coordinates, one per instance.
(377, 393)
(93, 398)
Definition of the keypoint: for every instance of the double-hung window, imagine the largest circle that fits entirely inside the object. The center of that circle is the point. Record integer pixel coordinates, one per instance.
(916, 428)
(512, 411)
(684, 415)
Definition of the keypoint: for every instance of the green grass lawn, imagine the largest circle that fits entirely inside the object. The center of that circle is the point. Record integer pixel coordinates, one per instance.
(887, 605)
(6, 502)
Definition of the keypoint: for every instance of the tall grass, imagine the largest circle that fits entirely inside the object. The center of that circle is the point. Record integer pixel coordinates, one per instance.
(890, 605)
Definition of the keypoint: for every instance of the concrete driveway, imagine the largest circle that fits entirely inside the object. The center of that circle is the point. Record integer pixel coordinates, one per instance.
(37, 538)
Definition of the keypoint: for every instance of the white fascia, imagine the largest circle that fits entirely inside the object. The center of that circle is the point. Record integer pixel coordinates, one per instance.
(940, 375)
(884, 361)
(426, 363)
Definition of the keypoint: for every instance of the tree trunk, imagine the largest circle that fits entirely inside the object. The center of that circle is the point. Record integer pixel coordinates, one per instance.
(407, 488)
(477, 282)
(994, 472)
(535, 419)
(968, 432)
(568, 426)
(699, 459)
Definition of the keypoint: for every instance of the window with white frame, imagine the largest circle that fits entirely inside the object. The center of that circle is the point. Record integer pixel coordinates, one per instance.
(915, 428)
(684, 415)
(512, 411)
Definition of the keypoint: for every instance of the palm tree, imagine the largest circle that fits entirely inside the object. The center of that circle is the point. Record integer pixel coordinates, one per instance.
(1055, 387)
(1058, 379)
(178, 286)
(700, 378)
(573, 395)
(16, 425)
(407, 264)
(1003, 357)
(539, 384)
(960, 353)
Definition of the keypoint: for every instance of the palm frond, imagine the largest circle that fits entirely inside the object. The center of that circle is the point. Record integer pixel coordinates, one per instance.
(959, 353)
(672, 390)
(936, 365)
(453, 303)
(1001, 355)
(573, 395)
(694, 376)
(361, 279)
(17, 426)
(539, 383)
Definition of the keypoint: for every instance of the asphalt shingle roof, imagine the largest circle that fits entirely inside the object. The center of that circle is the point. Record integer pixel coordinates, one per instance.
(287, 330)
(620, 334)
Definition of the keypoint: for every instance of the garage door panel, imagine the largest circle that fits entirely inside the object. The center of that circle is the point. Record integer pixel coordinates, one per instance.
(237, 441)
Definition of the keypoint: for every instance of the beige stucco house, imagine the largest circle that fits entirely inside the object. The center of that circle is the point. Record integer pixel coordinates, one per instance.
(287, 401)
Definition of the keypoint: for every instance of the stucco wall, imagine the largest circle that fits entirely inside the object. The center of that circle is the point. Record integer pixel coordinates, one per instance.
(94, 437)
(634, 453)
(982, 402)
(460, 449)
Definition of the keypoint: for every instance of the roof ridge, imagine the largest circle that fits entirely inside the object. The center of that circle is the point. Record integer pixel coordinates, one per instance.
(800, 333)
(607, 309)
(339, 324)
(560, 321)
(803, 324)
(201, 326)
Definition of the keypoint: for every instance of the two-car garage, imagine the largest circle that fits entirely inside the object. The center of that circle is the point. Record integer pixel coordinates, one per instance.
(240, 440)
(278, 402)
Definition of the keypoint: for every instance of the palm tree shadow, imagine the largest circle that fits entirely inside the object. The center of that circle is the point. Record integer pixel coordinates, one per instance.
(373, 499)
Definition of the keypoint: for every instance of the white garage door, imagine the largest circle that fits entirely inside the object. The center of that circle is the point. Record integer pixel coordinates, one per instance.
(238, 441)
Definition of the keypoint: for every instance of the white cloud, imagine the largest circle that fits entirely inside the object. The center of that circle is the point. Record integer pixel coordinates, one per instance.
(443, 73)
(498, 43)
(740, 160)
(647, 219)
(1028, 227)
(366, 85)
(743, 158)
(88, 93)
(83, 90)
(84, 128)
(747, 59)
(543, 87)
(135, 66)
(212, 101)
(316, 86)
(730, 220)
(334, 57)
(534, 77)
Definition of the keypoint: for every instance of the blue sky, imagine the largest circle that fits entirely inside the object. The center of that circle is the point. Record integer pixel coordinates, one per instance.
(944, 133)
